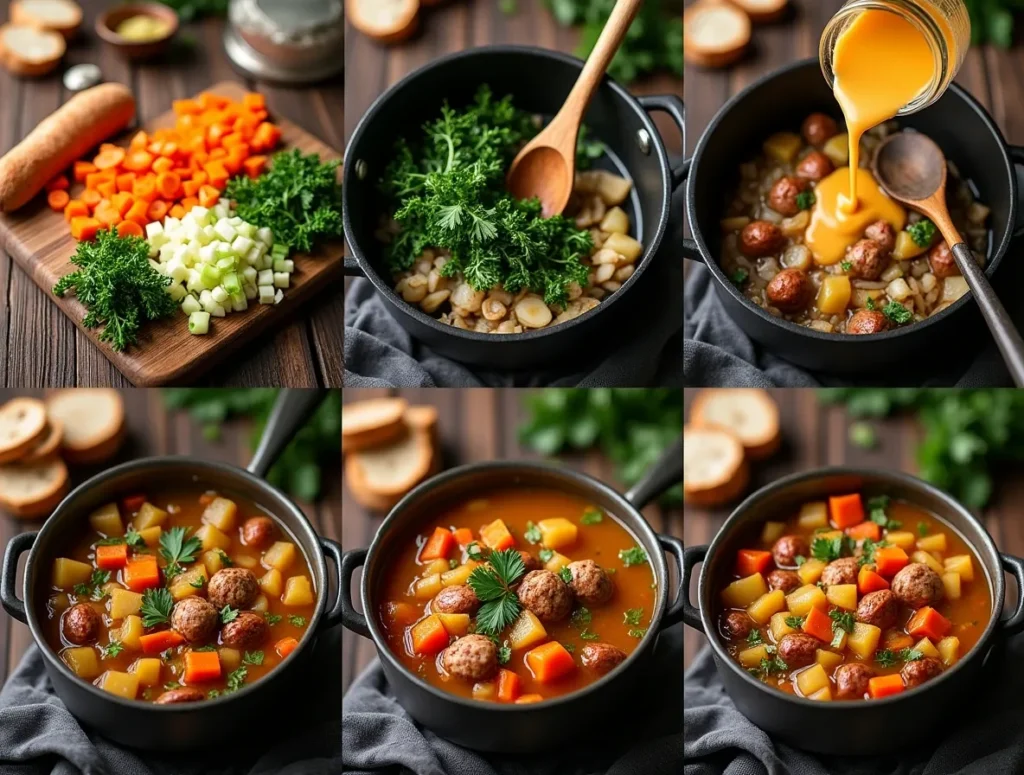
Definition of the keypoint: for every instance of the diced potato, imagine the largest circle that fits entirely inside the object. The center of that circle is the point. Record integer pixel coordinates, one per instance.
(762, 609)
(455, 624)
(459, 575)
(84, 661)
(628, 248)
(131, 631)
(841, 643)
(149, 516)
(272, 582)
(811, 680)
(426, 588)
(829, 534)
(261, 604)
(107, 520)
(783, 146)
(926, 647)
(863, 640)
(778, 626)
(813, 515)
(743, 592)
(221, 513)
(842, 595)
(557, 533)
(949, 649)
(526, 631)
(901, 538)
(147, 670)
(752, 657)
(124, 602)
(230, 658)
(439, 565)
(822, 695)
(772, 532)
(810, 571)
(829, 660)
(122, 684)
(213, 561)
(485, 690)
(837, 148)
(927, 559)
(800, 601)
(953, 288)
(834, 295)
(151, 536)
(67, 573)
(932, 543)
(299, 591)
(246, 561)
(212, 538)
(960, 563)
(613, 189)
(797, 256)
(280, 555)
(615, 221)
(556, 562)
(906, 247)
(183, 584)
(951, 584)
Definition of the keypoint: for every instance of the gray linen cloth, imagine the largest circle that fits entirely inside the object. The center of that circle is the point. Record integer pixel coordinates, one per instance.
(987, 737)
(380, 738)
(38, 735)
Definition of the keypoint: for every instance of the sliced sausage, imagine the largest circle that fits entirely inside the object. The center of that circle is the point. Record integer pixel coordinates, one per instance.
(236, 587)
(790, 290)
(867, 321)
(788, 548)
(917, 585)
(195, 618)
(761, 238)
(543, 593)
(247, 631)
(471, 657)
(852, 681)
(815, 166)
(920, 670)
(883, 233)
(602, 657)
(841, 571)
(736, 624)
(818, 128)
(590, 583)
(782, 197)
(786, 580)
(456, 599)
(798, 649)
(942, 262)
(878, 608)
(258, 531)
(867, 260)
(182, 694)
(81, 624)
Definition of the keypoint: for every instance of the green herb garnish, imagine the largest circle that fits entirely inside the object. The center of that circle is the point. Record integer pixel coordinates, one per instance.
(739, 277)
(198, 583)
(565, 574)
(842, 622)
(897, 313)
(92, 588)
(847, 266)
(632, 556)
(637, 632)
(591, 516)
(532, 534)
(588, 635)
(157, 605)
(177, 550)
(753, 638)
(252, 658)
(633, 616)
(922, 529)
(796, 622)
(829, 549)
(228, 614)
(272, 619)
(877, 507)
(922, 232)
(805, 200)
(297, 621)
(546, 554)
(504, 653)
(111, 650)
(492, 584)
(236, 678)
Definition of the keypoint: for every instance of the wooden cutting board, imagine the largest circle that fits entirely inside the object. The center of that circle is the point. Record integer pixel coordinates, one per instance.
(40, 241)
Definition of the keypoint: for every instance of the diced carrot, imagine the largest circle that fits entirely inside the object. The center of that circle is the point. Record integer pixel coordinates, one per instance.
(112, 557)
(185, 173)
(254, 101)
(846, 510)
(233, 161)
(509, 686)
(162, 164)
(142, 572)
(189, 202)
(139, 160)
(157, 210)
(463, 536)
(818, 624)
(201, 666)
(218, 153)
(133, 503)
(218, 174)
(81, 169)
(232, 140)
(138, 213)
(84, 229)
(896, 641)
(885, 685)
(438, 545)
(285, 646)
(191, 187)
(122, 202)
(402, 613)
(214, 135)
(496, 536)
(177, 211)
(76, 208)
(866, 529)
(169, 185)
(751, 561)
(91, 197)
(549, 662)
(145, 189)
(266, 137)
(109, 158)
(254, 166)
(868, 581)
(928, 623)
(183, 107)
(429, 635)
(140, 140)
(59, 183)
(528, 698)
(58, 199)
(129, 229)
(208, 196)
(107, 215)
(125, 181)
(93, 179)
(200, 176)
(156, 642)
(107, 189)
(889, 560)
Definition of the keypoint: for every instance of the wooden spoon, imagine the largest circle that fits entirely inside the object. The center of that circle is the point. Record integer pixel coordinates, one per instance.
(546, 167)
(912, 169)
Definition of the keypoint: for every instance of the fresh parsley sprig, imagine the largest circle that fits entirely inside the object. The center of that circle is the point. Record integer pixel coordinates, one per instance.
(177, 549)
(492, 584)
(157, 605)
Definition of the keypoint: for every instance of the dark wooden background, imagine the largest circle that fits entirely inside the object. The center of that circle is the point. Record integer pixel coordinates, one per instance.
(475, 424)
(154, 430)
(815, 435)
(41, 346)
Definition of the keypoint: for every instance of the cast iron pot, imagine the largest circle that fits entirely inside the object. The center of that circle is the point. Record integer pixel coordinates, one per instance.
(851, 726)
(508, 728)
(780, 101)
(538, 81)
(190, 725)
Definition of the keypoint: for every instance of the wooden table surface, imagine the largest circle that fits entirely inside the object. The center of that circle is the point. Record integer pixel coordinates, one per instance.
(153, 430)
(815, 435)
(41, 346)
(475, 424)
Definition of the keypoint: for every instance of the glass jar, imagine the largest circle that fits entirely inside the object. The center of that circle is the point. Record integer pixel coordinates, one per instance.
(945, 25)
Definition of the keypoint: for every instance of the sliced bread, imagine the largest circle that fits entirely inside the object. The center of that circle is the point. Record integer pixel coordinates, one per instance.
(93, 421)
(763, 11)
(22, 425)
(715, 34)
(395, 468)
(47, 444)
(372, 423)
(750, 413)
(61, 16)
(29, 51)
(31, 490)
(715, 470)
(387, 21)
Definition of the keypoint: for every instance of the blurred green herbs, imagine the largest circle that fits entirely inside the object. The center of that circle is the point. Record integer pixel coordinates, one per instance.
(299, 469)
(630, 426)
(195, 9)
(992, 21)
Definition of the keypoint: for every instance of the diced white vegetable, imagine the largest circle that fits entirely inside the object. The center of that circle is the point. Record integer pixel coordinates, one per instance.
(218, 311)
(266, 294)
(265, 235)
(250, 292)
(278, 296)
(177, 292)
(253, 256)
(190, 304)
(199, 323)
(284, 265)
(281, 279)
(265, 277)
(154, 229)
(219, 294)
(225, 230)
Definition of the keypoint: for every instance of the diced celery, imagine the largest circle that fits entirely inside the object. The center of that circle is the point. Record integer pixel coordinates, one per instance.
(199, 214)
(249, 274)
(250, 291)
(195, 282)
(253, 255)
(199, 323)
(266, 294)
(279, 296)
(206, 299)
(225, 230)
(239, 302)
(281, 279)
(284, 265)
(265, 235)
(241, 245)
(219, 294)
(218, 311)
(210, 275)
(177, 292)
(231, 283)
(206, 253)
(246, 230)
(190, 304)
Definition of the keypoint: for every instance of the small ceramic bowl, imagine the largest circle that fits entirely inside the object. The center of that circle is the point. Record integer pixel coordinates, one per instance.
(109, 21)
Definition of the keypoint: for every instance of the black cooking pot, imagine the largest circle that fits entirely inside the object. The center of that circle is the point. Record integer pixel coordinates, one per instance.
(510, 728)
(538, 81)
(780, 101)
(198, 724)
(851, 726)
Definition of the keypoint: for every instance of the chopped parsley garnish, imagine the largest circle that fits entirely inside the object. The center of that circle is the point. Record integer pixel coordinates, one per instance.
(632, 556)
(236, 678)
(754, 638)
(591, 516)
(224, 559)
(532, 534)
(867, 549)
(799, 560)
(922, 529)
(473, 551)
(870, 304)
(796, 622)
(546, 554)
(92, 589)
(769, 666)
(846, 265)
(504, 653)
(453, 564)
(842, 621)
(570, 647)
(588, 635)
(213, 694)
(888, 657)
(252, 658)
(829, 549)
(111, 650)
(637, 632)
(272, 619)
(167, 655)
(581, 617)
(805, 200)
(877, 512)
(565, 574)
(134, 539)
(897, 313)
(228, 614)
(739, 277)
(632, 616)
(492, 584)
(172, 685)
(206, 648)
(922, 232)
(111, 541)
(198, 583)
(177, 549)
(297, 621)
(157, 605)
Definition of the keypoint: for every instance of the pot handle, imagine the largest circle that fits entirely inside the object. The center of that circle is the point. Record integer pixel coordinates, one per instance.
(291, 410)
(667, 471)
(352, 268)
(673, 106)
(8, 596)
(674, 614)
(350, 617)
(691, 556)
(691, 251)
(1015, 623)
(333, 550)
(1016, 154)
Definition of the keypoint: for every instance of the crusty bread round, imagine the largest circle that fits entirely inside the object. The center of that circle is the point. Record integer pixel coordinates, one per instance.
(22, 424)
(47, 444)
(388, 21)
(714, 34)
(31, 490)
(29, 51)
(715, 470)
(763, 11)
(749, 413)
(61, 16)
(93, 420)
(372, 423)
(395, 468)
(365, 497)
(422, 418)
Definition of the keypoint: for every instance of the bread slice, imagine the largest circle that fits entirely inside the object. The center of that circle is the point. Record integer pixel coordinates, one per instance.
(93, 421)
(31, 490)
(395, 468)
(751, 414)
(364, 496)
(372, 423)
(715, 34)
(715, 470)
(60, 16)
(387, 21)
(22, 424)
(763, 11)
(29, 51)
(422, 418)
(48, 444)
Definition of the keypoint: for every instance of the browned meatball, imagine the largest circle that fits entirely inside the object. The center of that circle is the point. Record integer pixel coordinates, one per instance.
(783, 196)
(543, 593)
(760, 238)
(942, 262)
(920, 670)
(590, 583)
(867, 260)
(878, 608)
(195, 618)
(917, 585)
(852, 681)
(472, 657)
(798, 649)
(737, 624)
(788, 548)
(790, 290)
(786, 580)
(456, 599)
(182, 694)
(818, 128)
(531, 562)
(258, 531)
(81, 624)
(247, 631)
(602, 657)
(236, 587)
(841, 571)
(883, 233)
(867, 321)
(815, 166)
